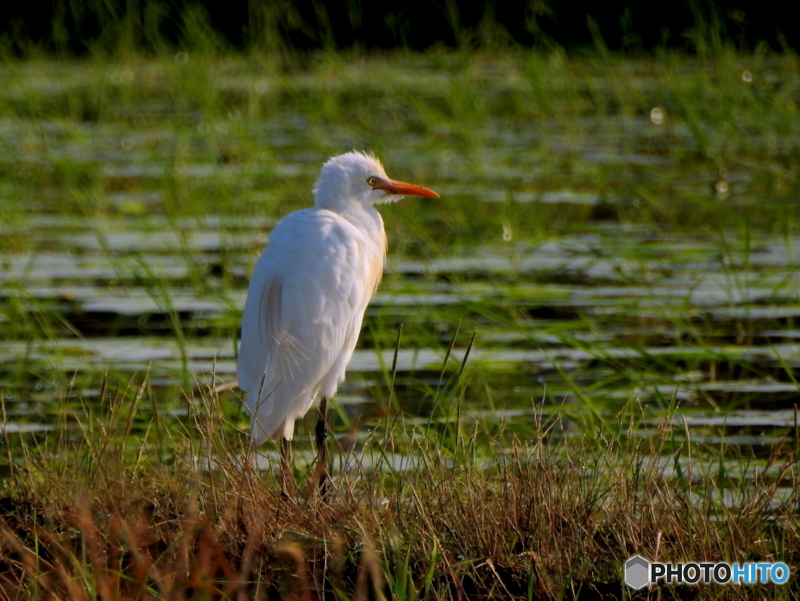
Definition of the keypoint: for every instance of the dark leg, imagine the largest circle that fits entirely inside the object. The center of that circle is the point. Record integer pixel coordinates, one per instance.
(321, 472)
(287, 478)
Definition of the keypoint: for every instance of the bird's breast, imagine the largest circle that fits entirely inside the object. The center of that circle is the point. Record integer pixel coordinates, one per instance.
(371, 243)
(374, 264)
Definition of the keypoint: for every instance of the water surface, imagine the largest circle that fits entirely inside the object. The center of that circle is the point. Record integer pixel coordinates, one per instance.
(130, 230)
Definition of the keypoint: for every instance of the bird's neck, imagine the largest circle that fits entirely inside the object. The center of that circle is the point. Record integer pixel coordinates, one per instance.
(364, 217)
(367, 219)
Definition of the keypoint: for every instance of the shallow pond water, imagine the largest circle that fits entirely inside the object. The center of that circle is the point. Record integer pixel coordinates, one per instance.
(130, 235)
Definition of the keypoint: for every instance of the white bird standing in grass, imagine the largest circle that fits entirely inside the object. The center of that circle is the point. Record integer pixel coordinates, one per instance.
(307, 299)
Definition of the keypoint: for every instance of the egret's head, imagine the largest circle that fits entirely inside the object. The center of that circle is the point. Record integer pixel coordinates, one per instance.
(360, 177)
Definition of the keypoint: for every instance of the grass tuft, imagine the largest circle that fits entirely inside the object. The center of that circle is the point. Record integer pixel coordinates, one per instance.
(97, 518)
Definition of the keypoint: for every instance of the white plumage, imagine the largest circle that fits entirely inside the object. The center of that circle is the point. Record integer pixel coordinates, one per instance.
(309, 291)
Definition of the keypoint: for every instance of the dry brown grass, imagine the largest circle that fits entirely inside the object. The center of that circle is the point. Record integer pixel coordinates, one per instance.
(541, 519)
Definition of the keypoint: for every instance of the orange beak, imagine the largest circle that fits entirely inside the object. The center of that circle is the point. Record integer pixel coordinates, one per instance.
(391, 186)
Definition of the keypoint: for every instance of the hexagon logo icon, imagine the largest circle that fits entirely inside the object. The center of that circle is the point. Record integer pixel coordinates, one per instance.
(637, 572)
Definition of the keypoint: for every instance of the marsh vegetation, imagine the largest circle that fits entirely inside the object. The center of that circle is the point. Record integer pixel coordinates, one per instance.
(584, 350)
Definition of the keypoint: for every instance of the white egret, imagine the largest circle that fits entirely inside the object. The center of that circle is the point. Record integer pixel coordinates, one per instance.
(307, 298)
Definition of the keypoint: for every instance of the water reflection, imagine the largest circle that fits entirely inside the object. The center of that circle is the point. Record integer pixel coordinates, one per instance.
(630, 313)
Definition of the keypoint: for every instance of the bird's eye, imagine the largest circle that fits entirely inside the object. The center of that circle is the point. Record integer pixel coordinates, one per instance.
(371, 181)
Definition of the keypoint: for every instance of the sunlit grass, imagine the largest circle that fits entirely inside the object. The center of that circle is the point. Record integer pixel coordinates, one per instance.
(541, 492)
(102, 513)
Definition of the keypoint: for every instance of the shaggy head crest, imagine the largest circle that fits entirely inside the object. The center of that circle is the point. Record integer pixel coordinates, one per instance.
(343, 179)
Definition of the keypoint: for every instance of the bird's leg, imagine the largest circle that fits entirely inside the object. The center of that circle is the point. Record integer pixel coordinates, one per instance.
(287, 478)
(322, 449)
